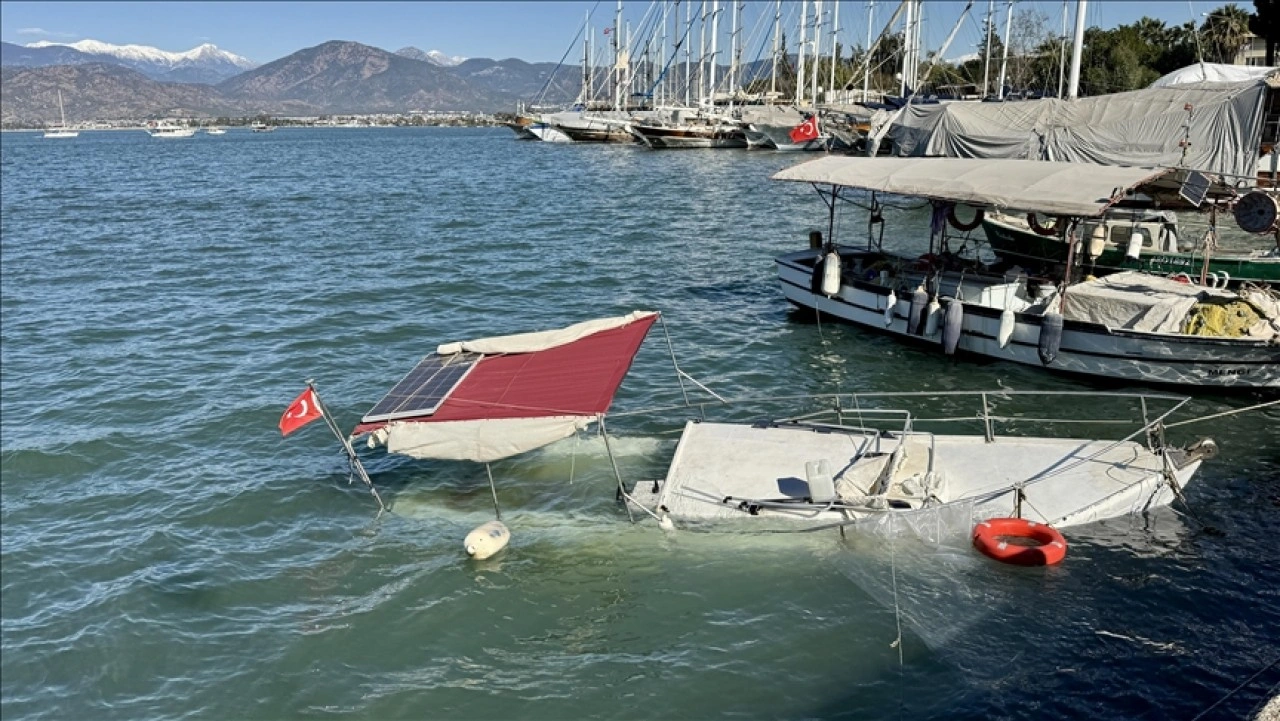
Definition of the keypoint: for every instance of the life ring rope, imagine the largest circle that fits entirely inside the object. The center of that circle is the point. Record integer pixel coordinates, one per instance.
(978, 215)
(992, 538)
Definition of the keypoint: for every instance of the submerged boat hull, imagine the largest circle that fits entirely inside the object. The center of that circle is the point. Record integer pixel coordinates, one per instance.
(1085, 349)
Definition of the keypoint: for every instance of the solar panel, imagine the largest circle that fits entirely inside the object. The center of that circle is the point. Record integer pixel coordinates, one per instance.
(422, 391)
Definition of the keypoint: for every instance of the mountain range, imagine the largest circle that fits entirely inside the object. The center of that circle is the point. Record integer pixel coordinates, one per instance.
(105, 82)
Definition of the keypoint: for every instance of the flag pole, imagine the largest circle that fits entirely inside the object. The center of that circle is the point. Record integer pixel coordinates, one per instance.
(346, 446)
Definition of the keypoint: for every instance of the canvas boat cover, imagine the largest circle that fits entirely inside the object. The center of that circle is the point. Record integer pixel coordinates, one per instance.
(1213, 73)
(1057, 188)
(527, 390)
(1142, 127)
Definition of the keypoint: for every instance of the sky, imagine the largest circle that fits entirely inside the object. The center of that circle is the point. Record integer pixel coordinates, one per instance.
(533, 31)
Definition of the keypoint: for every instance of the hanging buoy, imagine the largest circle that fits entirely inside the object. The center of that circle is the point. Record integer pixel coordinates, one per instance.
(919, 301)
(951, 326)
(487, 539)
(890, 304)
(931, 317)
(1007, 323)
(992, 538)
(1133, 250)
(1050, 336)
(831, 274)
(1097, 241)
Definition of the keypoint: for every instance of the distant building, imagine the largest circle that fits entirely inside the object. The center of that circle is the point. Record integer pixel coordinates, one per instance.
(1254, 51)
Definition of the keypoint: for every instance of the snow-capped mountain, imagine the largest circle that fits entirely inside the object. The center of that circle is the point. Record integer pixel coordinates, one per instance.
(203, 64)
(435, 57)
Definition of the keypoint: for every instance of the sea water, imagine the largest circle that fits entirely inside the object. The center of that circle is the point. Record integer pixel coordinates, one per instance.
(166, 554)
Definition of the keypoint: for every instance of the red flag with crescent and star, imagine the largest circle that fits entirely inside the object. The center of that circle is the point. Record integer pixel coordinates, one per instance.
(808, 130)
(304, 409)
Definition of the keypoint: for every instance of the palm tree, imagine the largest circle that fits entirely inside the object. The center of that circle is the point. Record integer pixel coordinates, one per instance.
(1224, 32)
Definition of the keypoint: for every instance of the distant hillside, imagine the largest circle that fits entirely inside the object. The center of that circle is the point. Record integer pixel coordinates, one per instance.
(203, 64)
(98, 91)
(434, 56)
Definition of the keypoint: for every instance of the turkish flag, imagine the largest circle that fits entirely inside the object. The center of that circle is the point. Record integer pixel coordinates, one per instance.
(808, 130)
(304, 409)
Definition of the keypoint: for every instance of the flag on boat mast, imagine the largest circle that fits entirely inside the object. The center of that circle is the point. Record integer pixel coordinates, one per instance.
(304, 409)
(808, 130)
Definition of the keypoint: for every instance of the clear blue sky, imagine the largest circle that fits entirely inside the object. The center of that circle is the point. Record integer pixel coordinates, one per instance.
(533, 31)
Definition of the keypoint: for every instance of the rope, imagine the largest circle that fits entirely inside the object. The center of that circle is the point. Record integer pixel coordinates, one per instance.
(1233, 691)
(1223, 414)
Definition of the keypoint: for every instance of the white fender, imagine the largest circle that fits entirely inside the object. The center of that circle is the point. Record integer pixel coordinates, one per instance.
(1007, 322)
(1097, 241)
(487, 539)
(919, 301)
(1133, 251)
(931, 318)
(891, 305)
(831, 274)
(952, 325)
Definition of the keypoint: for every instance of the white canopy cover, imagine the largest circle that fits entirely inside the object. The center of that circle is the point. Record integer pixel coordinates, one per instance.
(1212, 73)
(1056, 188)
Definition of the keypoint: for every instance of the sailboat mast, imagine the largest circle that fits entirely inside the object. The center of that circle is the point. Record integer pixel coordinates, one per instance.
(715, 54)
(866, 62)
(804, 16)
(908, 31)
(617, 58)
(702, 57)
(835, 48)
(1077, 45)
(734, 52)
(61, 113)
(688, 52)
(1004, 60)
(777, 35)
(986, 65)
(817, 50)
(585, 95)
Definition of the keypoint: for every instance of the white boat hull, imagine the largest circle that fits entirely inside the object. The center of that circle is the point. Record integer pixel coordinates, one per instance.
(1086, 348)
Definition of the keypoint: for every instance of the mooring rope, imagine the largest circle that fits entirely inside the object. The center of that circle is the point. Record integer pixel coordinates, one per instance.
(1255, 407)
(1235, 690)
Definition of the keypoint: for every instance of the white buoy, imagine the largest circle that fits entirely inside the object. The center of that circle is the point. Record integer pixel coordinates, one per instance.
(487, 539)
(1007, 322)
(931, 317)
(1133, 251)
(891, 304)
(952, 325)
(831, 274)
(919, 301)
(1097, 241)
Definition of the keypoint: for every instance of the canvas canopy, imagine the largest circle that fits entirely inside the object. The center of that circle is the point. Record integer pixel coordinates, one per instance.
(1143, 127)
(1214, 73)
(528, 390)
(1056, 188)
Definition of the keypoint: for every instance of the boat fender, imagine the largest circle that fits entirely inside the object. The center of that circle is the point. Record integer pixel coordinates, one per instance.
(915, 318)
(1033, 222)
(951, 327)
(1007, 322)
(978, 215)
(1097, 241)
(890, 306)
(931, 317)
(991, 536)
(831, 274)
(1050, 336)
(487, 539)
(1133, 250)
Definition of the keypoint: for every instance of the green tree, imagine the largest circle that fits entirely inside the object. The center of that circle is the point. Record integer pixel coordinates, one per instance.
(1265, 23)
(1224, 32)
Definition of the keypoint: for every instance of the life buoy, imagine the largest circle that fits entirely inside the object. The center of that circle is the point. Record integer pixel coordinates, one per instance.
(991, 538)
(1181, 277)
(1033, 222)
(978, 214)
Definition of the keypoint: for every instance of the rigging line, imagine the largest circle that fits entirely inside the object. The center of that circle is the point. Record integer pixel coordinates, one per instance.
(1223, 414)
(1233, 691)
(572, 45)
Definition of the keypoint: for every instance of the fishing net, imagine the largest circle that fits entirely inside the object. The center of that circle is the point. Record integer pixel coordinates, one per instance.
(1225, 319)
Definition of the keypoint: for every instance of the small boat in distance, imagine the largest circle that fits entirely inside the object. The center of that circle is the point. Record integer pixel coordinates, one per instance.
(215, 131)
(62, 131)
(169, 130)
(259, 126)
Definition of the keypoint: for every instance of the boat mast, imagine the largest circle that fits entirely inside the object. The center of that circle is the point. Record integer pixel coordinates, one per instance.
(734, 52)
(817, 50)
(61, 113)
(688, 53)
(702, 57)
(715, 31)
(777, 35)
(1004, 60)
(804, 15)
(1077, 45)
(835, 49)
(617, 58)
(866, 62)
(986, 65)
(585, 95)
(1062, 50)
(908, 29)
(662, 58)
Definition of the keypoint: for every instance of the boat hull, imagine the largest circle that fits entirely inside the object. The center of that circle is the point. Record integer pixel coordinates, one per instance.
(1087, 349)
(658, 138)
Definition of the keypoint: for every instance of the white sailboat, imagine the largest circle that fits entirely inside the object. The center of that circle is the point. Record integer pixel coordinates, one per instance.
(62, 131)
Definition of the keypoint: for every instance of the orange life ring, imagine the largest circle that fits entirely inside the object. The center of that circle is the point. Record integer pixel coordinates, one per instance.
(991, 538)
(977, 219)
(1034, 223)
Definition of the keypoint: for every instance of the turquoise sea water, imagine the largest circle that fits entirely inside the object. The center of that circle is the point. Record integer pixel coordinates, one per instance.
(165, 554)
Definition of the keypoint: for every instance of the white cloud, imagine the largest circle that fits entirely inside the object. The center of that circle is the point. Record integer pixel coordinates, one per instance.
(45, 33)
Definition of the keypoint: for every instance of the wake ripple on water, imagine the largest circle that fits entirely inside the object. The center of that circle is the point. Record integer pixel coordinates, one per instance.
(166, 554)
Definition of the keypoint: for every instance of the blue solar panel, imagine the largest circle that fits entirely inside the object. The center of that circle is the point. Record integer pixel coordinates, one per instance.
(422, 391)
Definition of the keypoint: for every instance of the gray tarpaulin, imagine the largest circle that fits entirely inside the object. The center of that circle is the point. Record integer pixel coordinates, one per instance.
(1142, 127)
